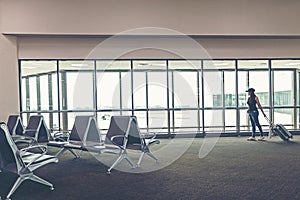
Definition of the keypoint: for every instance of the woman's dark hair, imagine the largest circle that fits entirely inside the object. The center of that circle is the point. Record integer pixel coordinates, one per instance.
(252, 95)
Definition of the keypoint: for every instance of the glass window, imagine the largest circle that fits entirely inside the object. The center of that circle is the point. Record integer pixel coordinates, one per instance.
(76, 79)
(184, 65)
(185, 89)
(126, 90)
(142, 65)
(115, 65)
(142, 119)
(25, 101)
(284, 116)
(79, 93)
(55, 99)
(103, 119)
(213, 120)
(283, 93)
(218, 64)
(158, 121)
(229, 88)
(230, 119)
(285, 64)
(186, 120)
(139, 90)
(244, 120)
(69, 122)
(242, 87)
(142, 85)
(33, 93)
(108, 90)
(253, 64)
(212, 89)
(44, 83)
(157, 90)
(37, 67)
(260, 81)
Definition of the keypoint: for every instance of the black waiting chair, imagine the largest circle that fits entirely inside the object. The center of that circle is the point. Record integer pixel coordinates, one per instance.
(84, 136)
(15, 125)
(140, 141)
(22, 162)
(35, 132)
(123, 134)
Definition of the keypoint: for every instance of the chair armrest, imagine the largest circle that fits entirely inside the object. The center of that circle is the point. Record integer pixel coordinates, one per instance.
(42, 148)
(24, 139)
(149, 137)
(114, 138)
(61, 136)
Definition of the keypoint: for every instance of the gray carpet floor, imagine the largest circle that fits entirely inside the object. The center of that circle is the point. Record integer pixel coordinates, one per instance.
(233, 169)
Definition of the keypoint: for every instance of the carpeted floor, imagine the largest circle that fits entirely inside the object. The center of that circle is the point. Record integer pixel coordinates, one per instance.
(234, 169)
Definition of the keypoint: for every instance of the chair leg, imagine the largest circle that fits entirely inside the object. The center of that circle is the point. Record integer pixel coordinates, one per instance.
(147, 153)
(152, 156)
(60, 152)
(140, 159)
(74, 153)
(119, 159)
(15, 186)
(122, 155)
(41, 181)
(129, 161)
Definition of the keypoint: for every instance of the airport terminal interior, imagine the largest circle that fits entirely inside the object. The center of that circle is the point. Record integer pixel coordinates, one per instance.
(147, 99)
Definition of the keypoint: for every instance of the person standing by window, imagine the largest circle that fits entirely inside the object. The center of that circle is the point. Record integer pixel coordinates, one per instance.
(253, 113)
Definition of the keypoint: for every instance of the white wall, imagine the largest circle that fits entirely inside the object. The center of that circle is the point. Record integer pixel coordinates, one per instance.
(193, 17)
(8, 75)
(80, 47)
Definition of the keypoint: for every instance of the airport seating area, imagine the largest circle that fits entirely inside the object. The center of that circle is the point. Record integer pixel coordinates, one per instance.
(85, 136)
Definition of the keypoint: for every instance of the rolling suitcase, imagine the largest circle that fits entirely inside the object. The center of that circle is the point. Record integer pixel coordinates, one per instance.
(280, 130)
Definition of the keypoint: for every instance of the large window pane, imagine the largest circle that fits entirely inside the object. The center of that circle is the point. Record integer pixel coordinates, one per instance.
(76, 80)
(229, 88)
(44, 83)
(213, 120)
(186, 120)
(212, 89)
(184, 65)
(230, 119)
(283, 93)
(244, 120)
(108, 90)
(284, 116)
(142, 119)
(104, 120)
(260, 81)
(185, 89)
(139, 90)
(33, 93)
(71, 118)
(242, 87)
(157, 90)
(54, 92)
(126, 90)
(79, 93)
(158, 121)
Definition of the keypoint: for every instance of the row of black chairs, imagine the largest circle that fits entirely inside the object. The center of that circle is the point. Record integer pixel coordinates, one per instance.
(123, 134)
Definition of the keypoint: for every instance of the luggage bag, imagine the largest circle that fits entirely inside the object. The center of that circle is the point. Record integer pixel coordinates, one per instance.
(280, 130)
